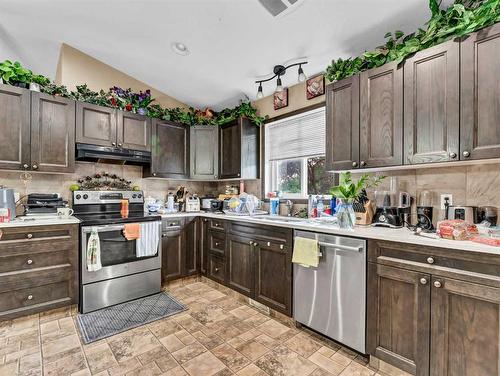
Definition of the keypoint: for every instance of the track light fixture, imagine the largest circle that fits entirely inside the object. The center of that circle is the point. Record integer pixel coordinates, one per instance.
(280, 70)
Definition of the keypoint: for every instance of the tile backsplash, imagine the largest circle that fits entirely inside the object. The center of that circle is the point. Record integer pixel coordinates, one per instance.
(60, 183)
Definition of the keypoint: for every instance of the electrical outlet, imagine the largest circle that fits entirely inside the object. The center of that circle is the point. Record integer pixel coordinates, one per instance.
(450, 199)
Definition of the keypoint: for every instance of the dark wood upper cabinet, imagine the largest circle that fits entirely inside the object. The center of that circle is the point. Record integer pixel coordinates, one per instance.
(381, 116)
(14, 128)
(133, 131)
(479, 95)
(95, 125)
(273, 275)
(240, 253)
(399, 317)
(342, 124)
(169, 150)
(465, 322)
(204, 153)
(431, 105)
(52, 133)
(239, 150)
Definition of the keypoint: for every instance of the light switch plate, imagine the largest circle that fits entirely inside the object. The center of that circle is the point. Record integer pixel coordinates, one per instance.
(450, 201)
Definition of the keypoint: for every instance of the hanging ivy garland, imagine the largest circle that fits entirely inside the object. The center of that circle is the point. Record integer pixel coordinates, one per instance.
(459, 19)
(125, 99)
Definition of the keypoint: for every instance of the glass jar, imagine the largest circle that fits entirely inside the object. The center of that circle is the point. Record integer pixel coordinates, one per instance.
(345, 214)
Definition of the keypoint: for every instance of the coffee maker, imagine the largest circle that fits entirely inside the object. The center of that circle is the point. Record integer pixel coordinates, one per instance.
(424, 211)
(393, 208)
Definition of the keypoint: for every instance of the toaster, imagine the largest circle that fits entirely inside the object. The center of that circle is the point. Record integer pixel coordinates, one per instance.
(469, 214)
(192, 204)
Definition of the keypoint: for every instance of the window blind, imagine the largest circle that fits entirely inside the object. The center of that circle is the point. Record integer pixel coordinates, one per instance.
(296, 136)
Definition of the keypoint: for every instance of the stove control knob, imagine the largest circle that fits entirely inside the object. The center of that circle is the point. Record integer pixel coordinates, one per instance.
(78, 197)
(85, 196)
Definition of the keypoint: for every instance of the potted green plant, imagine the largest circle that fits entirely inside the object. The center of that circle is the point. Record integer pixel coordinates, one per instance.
(15, 74)
(347, 192)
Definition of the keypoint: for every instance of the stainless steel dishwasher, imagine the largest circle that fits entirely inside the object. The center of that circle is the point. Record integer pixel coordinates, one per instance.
(331, 298)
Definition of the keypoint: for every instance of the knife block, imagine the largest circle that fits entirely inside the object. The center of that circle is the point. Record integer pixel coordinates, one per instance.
(366, 217)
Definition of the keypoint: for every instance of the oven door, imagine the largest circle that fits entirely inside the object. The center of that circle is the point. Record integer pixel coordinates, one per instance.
(118, 255)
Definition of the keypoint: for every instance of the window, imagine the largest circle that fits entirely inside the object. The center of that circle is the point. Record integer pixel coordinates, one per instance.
(295, 155)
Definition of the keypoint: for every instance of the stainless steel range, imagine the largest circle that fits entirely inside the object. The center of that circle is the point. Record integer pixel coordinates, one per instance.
(125, 274)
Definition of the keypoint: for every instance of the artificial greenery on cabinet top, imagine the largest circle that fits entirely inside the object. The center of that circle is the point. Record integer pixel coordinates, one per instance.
(459, 19)
(125, 99)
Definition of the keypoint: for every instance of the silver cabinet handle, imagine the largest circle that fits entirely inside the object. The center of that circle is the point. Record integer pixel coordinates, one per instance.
(423, 281)
(239, 175)
(354, 164)
(216, 244)
(29, 236)
(216, 225)
(255, 244)
(466, 153)
(216, 269)
(268, 244)
(453, 155)
(437, 284)
(30, 297)
(341, 247)
(29, 262)
(154, 174)
(430, 260)
(251, 242)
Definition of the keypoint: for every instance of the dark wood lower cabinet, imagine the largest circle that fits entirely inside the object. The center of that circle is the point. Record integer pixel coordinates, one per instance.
(191, 234)
(273, 276)
(399, 317)
(173, 256)
(203, 245)
(216, 268)
(240, 272)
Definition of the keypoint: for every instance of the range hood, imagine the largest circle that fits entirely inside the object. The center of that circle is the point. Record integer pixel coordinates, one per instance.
(105, 154)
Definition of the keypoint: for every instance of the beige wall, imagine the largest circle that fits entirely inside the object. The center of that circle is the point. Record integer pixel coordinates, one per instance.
(296, 100)
(76, 68)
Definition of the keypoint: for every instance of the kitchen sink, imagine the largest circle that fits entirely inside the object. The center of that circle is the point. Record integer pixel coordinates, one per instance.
(280, 218)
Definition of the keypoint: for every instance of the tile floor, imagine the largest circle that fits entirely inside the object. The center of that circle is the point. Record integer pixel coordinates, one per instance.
(218, 335)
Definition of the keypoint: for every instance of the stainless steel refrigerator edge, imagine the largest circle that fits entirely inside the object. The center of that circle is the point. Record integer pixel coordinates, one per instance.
(331, 298)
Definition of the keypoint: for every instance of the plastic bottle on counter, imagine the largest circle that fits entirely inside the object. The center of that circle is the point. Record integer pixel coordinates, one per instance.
(320, 206)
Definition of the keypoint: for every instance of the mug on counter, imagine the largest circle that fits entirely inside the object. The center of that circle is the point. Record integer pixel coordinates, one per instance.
(64, 212)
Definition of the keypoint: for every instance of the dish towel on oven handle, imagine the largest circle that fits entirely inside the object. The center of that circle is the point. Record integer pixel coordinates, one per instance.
(147, 244)
(93, 251)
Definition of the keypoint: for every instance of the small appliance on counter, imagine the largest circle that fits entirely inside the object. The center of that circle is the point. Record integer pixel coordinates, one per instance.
(393, 208)
(489, 214)
(7, 204)
(192, 204)
(43, 204)
(206, 203)
(469, 214)
(424, 211)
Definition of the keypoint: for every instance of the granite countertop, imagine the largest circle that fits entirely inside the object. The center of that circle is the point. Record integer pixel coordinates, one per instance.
(24, 221)
(401, 235)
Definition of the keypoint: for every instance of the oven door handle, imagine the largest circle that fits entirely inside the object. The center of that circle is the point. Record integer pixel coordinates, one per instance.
(88, 229)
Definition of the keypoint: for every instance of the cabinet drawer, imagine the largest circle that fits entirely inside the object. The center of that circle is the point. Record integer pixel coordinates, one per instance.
(273, 234)
(216, 268)
(33, 296)
(29, 234)
(172, 224)
(24, 279)
(217, 241)
(30, 260)
(217, 224)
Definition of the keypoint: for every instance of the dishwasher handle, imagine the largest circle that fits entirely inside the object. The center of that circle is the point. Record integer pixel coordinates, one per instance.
(341, 247)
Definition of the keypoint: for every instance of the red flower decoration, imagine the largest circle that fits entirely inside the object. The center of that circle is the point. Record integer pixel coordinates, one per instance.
(128, 107)
(113, 102)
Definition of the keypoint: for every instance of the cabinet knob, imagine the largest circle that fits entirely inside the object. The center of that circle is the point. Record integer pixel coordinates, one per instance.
(120, 145)
(205, 220)
(453, 155)
(34, 167)
(437, 284)
(216, 244)
(113, 144)
(466, 154)
(363, 163)
(29, 236)
(216, 225)
(251, 242)
(26, 166)
(354, 164)
(216, 269)
(430, 260)
(29, 262)
(255, 244)
(30, 297)
(268, 244)
(282, 247)
(215, 176)
(163, 235)
(154, 173)
(423, 281)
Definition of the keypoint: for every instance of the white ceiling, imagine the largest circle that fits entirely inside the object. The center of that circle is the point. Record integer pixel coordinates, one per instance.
(231, 42)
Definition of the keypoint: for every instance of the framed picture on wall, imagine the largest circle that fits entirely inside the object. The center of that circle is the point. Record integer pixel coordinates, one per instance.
(281, 99)
(315, 86)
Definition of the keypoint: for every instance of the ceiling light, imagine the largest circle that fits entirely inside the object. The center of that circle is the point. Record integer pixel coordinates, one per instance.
(302, 76)
(180, 48)
(279, 85)
(260, 94)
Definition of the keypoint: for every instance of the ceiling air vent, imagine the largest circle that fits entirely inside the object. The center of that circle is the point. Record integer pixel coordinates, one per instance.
(280, 7)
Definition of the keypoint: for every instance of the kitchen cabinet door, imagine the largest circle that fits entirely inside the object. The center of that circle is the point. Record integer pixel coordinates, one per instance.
(399, 317)
(240, 271)
(169, 150)
(14, 128)
(216, 268)
(95, 125)
(204, 245)
(133, 131)
(230, 150)
(479, 94)
(204, 152)
(192, 241)
(381, 116)
(173, 255)
(431, 105)
(273, 276)
(465, 328)
(342, 124)
(52, 133)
